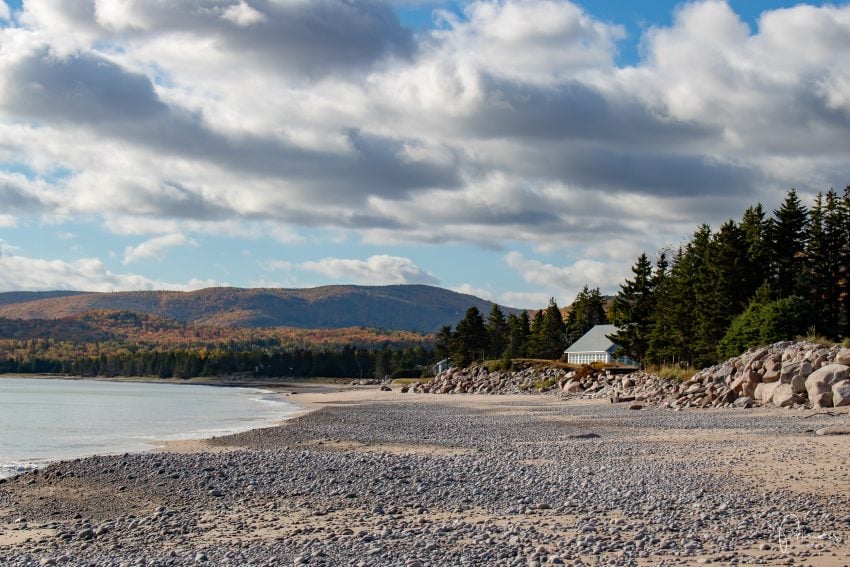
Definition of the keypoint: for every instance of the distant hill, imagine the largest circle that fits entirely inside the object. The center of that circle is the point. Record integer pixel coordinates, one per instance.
(121, 331)
(11, 297)
(398, 307)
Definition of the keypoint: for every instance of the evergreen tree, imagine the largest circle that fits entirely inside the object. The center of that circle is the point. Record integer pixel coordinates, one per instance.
(470, 338)
(633, 311)
(721, 294)
(519, 331)
(497, 331)
(844, 280)
(587, 311)
(444, 344)
(535, 337)
(816, 254)
(756, 237)
(787, 235)
(831, 268)
(553, 332)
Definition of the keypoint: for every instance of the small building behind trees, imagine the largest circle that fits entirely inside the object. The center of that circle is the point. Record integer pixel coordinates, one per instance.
(595, 346)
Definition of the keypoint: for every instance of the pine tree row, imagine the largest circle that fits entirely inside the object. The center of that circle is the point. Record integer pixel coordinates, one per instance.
(751, 282)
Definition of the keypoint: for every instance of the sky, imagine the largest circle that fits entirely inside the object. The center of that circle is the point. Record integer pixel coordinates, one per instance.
(513, 149)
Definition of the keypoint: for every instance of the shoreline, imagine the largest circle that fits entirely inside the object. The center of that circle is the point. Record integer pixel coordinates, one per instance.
(223, 381)
(401, 479)
(13, 468)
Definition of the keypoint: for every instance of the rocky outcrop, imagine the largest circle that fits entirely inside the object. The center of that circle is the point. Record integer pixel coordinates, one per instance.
(786, 374)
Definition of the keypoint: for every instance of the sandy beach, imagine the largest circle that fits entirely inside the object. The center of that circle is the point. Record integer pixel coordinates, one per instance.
(365, 477)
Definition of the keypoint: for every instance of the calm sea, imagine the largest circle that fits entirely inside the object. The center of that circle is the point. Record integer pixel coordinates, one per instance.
(46, 420)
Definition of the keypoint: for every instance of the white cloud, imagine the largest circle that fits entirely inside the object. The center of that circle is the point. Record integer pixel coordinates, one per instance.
(540, 41)
(470, 289)
(7, 221)
(86, 274)
(375, 270)
(155, 248)
(278, 266)
(5, 12)
(564, 282)
(243, 15)
(531, 300)
(515, 299)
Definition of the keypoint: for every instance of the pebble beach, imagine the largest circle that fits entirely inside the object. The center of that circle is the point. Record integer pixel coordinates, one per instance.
(366, 477)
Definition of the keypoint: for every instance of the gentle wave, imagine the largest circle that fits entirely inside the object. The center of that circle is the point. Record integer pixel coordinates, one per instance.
(10, 469)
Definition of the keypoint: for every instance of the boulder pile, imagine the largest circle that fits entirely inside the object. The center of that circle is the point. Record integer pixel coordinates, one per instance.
(786, 374)
(585, 382)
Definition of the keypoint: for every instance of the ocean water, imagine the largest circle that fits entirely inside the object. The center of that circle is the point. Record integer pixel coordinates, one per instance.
(47, 420)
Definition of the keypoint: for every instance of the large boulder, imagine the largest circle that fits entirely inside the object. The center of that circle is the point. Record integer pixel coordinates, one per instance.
(843, 357)
(841, 394)
(764, 392)
(790, 370)
(831, 374)
(798, 384)
(819, 389)
(772, 367)
(746, 382)
(784, 396)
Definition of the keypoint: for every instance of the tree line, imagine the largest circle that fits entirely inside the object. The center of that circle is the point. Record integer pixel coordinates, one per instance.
(759, 280)
(545, 335)
(345, 362)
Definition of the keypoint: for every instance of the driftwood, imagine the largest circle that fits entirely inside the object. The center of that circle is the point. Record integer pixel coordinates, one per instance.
(623, 399)
(829, 413)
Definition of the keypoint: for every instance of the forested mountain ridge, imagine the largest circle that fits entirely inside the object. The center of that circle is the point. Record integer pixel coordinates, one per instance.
(398, 307)
(12, 297)
(126, 343)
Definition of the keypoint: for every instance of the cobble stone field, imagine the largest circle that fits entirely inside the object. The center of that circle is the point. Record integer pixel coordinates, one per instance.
(411, 480)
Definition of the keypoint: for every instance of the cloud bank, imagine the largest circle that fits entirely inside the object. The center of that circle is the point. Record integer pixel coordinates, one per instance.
(88, 274)
(508, 122)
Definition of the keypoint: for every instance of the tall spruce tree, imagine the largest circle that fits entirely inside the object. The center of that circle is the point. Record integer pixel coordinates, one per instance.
(444, 345)
(555, 330)
(755, 227)
(661, 333)
(722, 295)
(633, 311)
(587, 311)
(787, 232)
(816, 253)
(470, 338)
(535, 337)
(497, 331)
(844, 285)
(836, 236)
(519, 331)
(548, 332)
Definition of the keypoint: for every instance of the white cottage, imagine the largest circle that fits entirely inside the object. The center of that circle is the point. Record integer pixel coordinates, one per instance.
(442, 366)
(595, 346)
